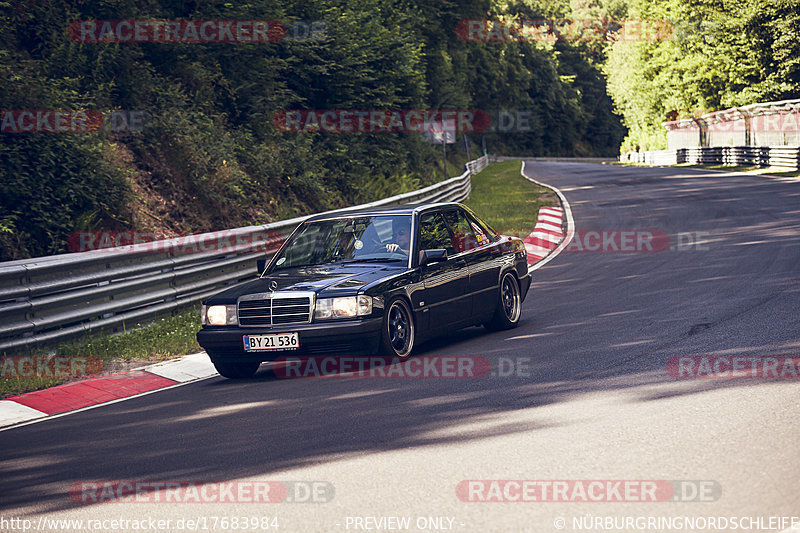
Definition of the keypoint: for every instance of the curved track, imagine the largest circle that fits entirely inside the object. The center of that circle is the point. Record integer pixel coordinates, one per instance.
(590, 397)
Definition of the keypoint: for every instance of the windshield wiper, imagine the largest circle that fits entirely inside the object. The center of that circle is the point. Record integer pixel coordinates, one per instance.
(373, 260)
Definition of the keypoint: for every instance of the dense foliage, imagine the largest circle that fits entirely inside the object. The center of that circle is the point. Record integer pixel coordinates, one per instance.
(209, 156)
(721, 53)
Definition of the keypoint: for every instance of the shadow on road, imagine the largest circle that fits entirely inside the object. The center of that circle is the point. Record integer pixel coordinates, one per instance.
(593, 322)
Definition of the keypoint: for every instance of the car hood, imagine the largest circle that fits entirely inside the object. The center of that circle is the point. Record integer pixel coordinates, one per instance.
(334, 279)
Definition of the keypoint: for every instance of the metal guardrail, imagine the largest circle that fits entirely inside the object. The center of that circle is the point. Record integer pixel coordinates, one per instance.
(53, 298)
(781, 157)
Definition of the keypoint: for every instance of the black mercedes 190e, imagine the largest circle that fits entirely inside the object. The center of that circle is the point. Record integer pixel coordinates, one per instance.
(376, 280)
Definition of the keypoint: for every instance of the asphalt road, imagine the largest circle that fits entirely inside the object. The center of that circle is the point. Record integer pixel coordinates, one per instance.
(589, 396)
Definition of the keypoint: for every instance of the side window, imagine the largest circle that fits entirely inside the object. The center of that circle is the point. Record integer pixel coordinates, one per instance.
(482, 234)
(464, 238)
(433, 233)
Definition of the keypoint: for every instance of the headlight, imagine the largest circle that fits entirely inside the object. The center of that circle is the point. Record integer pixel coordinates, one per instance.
(345, 307)
(219, 315)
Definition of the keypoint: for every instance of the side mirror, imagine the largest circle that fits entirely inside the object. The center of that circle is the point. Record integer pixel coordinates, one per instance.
(435, 255)
(261, 264)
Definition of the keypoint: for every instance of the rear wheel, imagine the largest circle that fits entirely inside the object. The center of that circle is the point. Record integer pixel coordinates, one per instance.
(397, 333)
(236, 370)
(509, 305)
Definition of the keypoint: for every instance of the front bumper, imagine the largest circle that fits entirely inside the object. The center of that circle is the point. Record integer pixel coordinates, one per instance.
(346, 337)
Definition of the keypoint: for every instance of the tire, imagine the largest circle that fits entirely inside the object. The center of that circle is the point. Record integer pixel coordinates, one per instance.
(397, 331)
(236, 370)
(509, 305)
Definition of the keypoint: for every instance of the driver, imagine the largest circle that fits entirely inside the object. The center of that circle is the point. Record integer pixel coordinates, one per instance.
(401, 241)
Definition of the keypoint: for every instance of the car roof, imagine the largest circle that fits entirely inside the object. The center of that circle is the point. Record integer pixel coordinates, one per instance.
(401, 209)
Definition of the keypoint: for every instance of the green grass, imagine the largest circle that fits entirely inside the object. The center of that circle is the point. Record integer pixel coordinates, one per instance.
(506, 201)
(142, 344)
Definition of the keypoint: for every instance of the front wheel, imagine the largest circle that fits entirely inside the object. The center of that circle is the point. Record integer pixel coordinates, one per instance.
(397, 332)
(236, 370)
(509, 305)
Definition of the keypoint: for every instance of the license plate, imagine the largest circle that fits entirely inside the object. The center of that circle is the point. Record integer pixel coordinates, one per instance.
(278, 341)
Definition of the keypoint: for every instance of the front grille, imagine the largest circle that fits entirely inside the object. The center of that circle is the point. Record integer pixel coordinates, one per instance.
(274, 310)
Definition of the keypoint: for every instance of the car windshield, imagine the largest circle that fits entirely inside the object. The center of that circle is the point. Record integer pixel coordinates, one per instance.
(380, 238)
